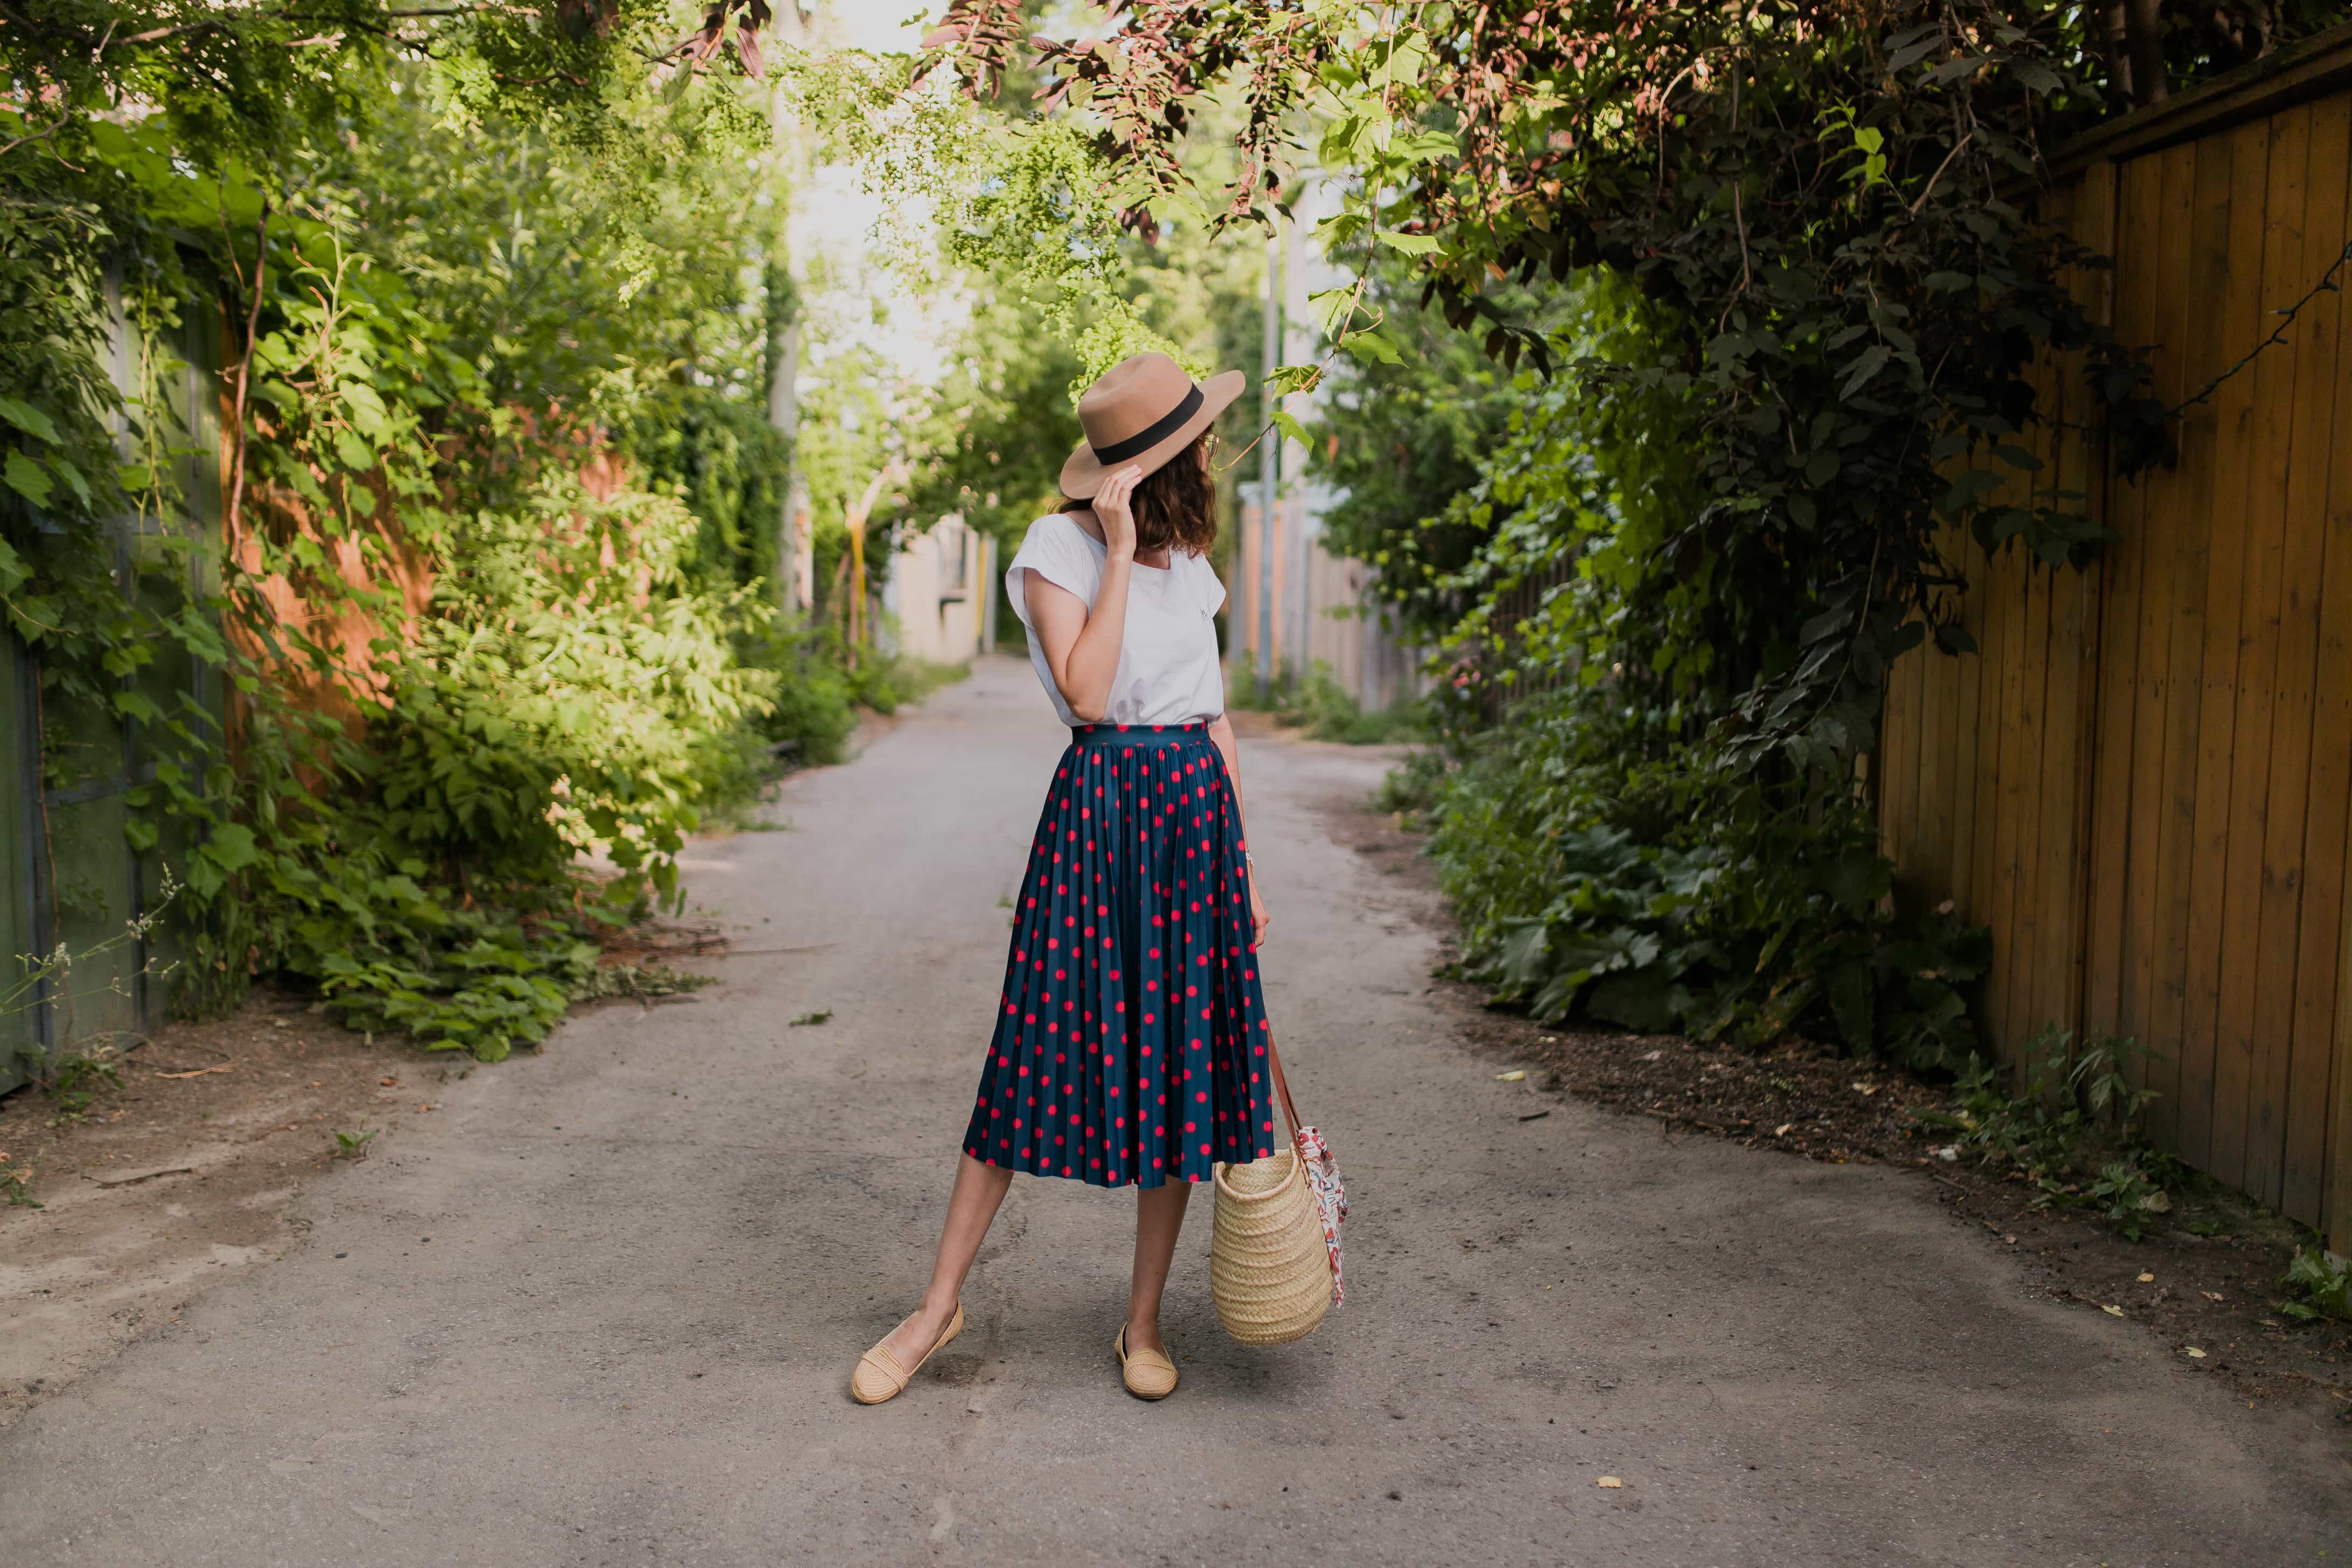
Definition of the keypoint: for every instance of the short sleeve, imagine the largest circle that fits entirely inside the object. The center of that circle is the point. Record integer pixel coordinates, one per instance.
(1211, 588)
(1055, 548)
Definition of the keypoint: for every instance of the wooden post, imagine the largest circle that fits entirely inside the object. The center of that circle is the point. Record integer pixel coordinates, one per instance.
(856, 520)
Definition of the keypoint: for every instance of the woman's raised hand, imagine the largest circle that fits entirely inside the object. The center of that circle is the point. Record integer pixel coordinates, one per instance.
(1112, 511)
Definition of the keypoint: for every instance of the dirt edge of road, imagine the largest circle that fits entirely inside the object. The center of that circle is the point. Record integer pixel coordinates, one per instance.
(181, 1176)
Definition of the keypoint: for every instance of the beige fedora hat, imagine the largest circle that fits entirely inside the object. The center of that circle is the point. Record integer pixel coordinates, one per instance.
(1143, 411)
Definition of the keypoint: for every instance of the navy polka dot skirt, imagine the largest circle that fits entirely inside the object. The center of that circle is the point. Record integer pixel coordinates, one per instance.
(1130, 1043)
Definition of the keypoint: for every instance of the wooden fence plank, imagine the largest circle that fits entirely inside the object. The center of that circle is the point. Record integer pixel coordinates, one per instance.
(2296, 395)
(2031, 785)
(1992, 607)
(2010, 721)
(2138, 194)
(2023, 794)
(2229, 275)
(2336, 1216)
(2319, 1077)
(2148, 187)
(1938, 693)
(2059, 991)
(1968, 727)
(2259, 435)
(2196, 180)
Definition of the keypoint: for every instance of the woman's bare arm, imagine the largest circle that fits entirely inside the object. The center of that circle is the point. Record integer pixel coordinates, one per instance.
(1082, 641)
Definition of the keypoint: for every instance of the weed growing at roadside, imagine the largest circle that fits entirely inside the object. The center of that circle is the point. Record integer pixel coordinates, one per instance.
(1411, 788)
(2317, 1286)
(2072, 1131)
(807, 1019)
(638, 980)
(17, 1183)
(74, 1082)
(353, 1146)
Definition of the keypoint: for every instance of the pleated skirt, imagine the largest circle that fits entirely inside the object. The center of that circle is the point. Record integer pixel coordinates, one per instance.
(1130, 1038)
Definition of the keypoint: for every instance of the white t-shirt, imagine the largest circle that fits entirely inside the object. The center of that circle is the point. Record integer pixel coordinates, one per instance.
(1168, 671)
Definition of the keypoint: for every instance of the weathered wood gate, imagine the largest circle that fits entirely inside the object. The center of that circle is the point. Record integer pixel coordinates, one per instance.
(70, 880)
(2142, 782)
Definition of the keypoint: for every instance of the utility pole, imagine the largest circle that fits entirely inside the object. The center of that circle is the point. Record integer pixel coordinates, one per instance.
(1269, 463)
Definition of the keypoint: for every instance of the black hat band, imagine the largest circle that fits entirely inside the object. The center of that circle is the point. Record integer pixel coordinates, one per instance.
(1151, 435)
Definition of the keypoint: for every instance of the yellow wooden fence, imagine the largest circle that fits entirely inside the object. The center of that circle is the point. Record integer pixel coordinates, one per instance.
(2141, 781)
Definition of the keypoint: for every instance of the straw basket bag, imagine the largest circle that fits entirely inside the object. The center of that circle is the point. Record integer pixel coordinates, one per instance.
(1274, 1253)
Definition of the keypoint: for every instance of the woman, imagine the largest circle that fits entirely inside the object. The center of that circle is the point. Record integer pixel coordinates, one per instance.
(1130, 1038)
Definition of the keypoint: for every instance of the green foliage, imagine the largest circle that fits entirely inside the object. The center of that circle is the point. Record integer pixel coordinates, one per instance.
(1400, 442)
(1003, 428)
(573, 690)
(353, 1146)
(1326, 710)
(488, 608)
(486, 995)
(75, 1081)
(2073, 1131)
(1732, 498)
(2317, 1286)
(17, 1183)
(813, 713)
(1598, 872)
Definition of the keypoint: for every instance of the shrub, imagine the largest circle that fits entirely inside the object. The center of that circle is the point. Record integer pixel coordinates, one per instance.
(1661, 895)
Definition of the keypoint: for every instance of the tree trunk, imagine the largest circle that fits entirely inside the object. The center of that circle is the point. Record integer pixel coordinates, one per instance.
(2144, 49)
(785, 416)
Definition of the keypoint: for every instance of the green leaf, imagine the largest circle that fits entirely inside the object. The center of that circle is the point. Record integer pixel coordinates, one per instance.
(1871, 362)
(28, 479)
(1289, 378)
(1410, 244)
(1370, 345)
(1331, 307)
(137, 705)
(28, 419)
(229, 848)
(1289, 426)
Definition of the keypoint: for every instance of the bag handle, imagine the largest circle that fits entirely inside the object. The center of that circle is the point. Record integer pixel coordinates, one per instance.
(1281, 1087)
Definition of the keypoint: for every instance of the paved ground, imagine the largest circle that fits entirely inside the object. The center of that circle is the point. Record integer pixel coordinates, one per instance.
(603, 1308)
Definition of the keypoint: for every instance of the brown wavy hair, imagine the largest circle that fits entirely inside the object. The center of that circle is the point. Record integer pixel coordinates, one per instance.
(1175, 507)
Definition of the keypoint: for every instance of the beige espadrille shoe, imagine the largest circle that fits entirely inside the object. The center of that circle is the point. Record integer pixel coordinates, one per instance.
(880, 1377)
(1147, 1373)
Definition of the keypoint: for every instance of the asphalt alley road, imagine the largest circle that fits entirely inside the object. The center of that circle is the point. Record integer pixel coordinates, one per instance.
(602, 1307)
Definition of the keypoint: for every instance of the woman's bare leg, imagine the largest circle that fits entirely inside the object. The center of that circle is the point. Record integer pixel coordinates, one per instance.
(1159, 1218)
(972, 1205)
